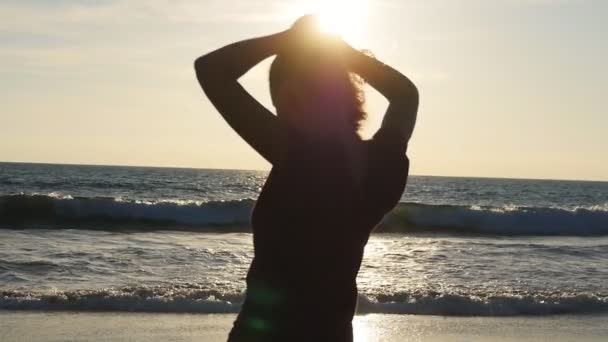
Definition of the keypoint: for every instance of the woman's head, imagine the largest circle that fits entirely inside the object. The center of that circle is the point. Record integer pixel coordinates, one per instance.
(315, 92)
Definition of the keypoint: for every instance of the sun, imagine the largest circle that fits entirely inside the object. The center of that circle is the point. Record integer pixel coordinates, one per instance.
(343, 17)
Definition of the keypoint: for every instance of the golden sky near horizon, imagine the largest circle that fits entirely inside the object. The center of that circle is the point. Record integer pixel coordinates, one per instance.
(510, 88)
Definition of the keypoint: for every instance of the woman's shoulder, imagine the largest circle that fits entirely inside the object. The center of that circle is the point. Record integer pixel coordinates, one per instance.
(388, 146)
(388, 167)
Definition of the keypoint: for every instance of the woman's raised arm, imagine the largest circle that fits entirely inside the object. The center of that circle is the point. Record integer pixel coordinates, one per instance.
(218, 73)
(399, 90)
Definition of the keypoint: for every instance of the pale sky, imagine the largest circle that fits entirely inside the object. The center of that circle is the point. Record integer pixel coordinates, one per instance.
(509, 88)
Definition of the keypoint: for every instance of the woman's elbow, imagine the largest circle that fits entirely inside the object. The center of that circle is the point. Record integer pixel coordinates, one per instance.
(415, 94)
(201, 67)
(206, 74)
(410, 90)
(406, 94)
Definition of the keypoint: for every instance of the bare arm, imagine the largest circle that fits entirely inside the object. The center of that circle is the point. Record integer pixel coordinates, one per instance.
(400, 91)
(218, 73)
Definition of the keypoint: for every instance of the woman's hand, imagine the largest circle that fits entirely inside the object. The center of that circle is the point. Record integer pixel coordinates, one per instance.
(306, 39)
(305, 30)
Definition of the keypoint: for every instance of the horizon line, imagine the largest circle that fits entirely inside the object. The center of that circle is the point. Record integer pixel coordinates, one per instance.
(267, 170)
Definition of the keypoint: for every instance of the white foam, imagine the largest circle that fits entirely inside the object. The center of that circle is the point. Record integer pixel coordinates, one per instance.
(144, 299)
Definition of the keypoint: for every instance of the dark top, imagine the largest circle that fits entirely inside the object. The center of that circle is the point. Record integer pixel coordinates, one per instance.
(310, 225)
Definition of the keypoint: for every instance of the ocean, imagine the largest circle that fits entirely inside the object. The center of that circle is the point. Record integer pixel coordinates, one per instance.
(166, 240)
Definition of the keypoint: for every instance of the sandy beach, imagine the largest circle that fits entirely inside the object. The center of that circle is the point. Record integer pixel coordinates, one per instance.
(68, 326)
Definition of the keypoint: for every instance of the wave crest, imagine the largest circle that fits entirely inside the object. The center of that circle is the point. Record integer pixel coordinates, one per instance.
(116, 213)
(508, 220)
(20, 209)
(196, 300)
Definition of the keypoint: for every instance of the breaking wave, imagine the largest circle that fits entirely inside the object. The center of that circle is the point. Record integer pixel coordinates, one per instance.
(20, 211)
(196, 300)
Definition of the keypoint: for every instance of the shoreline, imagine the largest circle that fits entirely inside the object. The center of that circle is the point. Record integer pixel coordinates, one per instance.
(114, 326)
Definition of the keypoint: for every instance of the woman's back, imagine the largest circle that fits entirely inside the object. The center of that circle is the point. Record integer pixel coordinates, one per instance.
(310, 224)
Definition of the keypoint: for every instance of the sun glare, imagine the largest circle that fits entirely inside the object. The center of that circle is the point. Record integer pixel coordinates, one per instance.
(343, 17)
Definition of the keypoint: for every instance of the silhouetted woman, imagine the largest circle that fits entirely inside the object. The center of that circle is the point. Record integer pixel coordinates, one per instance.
(327, 189)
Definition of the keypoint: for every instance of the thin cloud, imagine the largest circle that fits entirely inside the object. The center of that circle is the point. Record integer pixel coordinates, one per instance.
(16, 16)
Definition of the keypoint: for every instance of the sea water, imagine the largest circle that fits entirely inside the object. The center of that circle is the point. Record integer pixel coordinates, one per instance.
(101, 238)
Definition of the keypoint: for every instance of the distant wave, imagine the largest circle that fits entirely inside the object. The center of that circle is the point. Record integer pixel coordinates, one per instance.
(144, 299)
(509, 220)
(21, 211)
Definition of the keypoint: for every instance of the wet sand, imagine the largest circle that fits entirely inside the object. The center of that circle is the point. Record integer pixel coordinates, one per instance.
(75, 326)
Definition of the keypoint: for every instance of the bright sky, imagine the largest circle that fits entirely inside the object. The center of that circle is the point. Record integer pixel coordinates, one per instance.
(509, 88)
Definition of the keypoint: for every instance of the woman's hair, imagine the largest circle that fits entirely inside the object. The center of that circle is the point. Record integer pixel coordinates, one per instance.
(285, 66)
